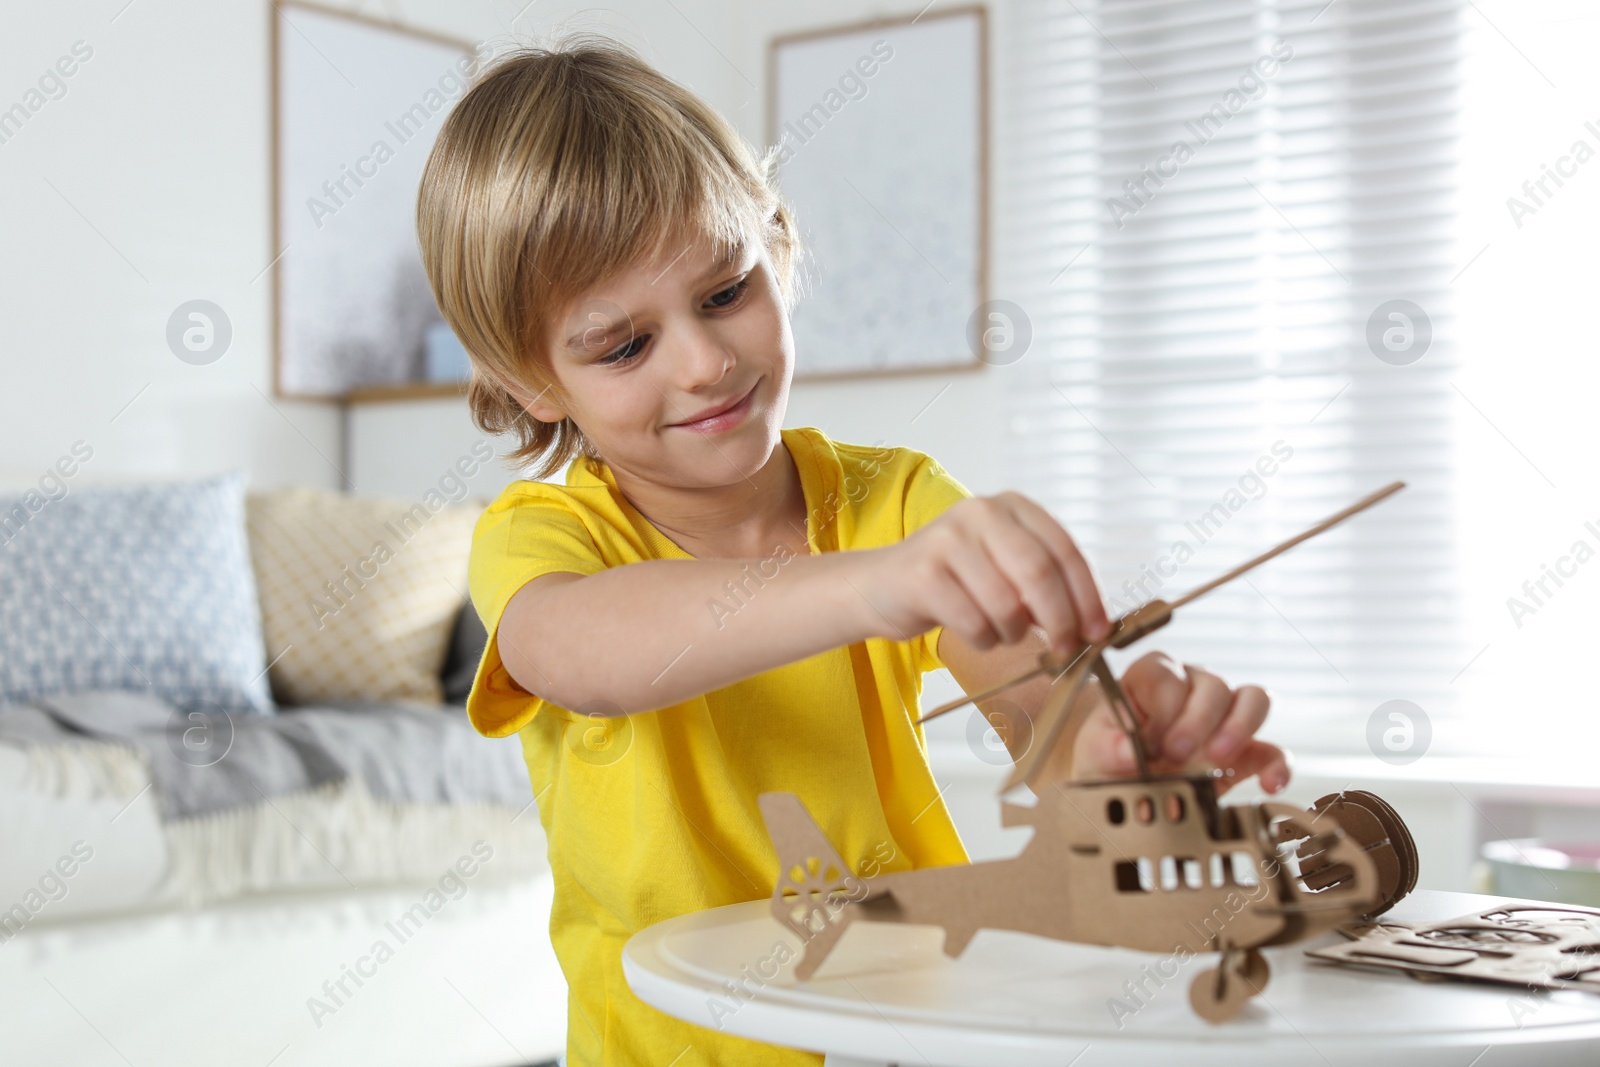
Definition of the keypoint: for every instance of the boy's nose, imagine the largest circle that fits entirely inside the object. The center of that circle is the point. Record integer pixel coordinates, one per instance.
(705, 361)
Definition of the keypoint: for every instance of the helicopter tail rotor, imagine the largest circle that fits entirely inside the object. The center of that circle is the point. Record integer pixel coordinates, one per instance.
(815, 890)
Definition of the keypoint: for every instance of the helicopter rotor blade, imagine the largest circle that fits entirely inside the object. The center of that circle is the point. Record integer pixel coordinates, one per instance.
(1305, 535)
(993, 690)
(1047, 664)
(1155, 614)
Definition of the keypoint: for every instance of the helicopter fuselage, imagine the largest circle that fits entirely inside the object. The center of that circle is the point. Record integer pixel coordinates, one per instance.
(1172, 868)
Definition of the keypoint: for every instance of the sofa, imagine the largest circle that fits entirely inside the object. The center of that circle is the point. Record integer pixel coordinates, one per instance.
(243, 817)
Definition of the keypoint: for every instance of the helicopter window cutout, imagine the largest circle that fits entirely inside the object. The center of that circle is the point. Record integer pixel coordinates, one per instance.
(1180, 872)
(1175, 808)
(1134, 876)
(1219, 873)
(1115, 811)
(1169, 873)
(1127, 876)
(1244, 870)
(1191, 872)
(1144, 810)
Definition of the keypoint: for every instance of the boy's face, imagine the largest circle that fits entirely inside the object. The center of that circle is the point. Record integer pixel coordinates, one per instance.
(643, 353)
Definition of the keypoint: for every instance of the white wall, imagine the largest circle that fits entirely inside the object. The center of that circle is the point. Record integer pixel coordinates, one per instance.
(144, 186)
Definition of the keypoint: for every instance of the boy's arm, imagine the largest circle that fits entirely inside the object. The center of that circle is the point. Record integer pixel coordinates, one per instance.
(1188, 713)
(648, 635)
(651, 634)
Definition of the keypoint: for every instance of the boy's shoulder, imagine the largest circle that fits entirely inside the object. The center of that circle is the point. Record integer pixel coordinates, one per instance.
(583, 510)
(582, 489)
(891, 490)
(870, 459)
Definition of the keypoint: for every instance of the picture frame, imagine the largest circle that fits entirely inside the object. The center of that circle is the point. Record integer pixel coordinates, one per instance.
(884, 157)
(356, 103)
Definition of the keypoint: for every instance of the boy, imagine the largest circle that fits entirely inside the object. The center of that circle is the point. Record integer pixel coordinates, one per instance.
(713, 606)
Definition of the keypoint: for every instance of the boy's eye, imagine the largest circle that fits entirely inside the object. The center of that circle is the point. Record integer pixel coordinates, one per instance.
(623, 353)
(628, 352)
(727, 297)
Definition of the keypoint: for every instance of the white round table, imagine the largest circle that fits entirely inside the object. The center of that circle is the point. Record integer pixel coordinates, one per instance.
(888, 995)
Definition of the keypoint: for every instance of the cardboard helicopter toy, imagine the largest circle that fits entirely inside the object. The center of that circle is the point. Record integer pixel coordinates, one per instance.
(1152, 862)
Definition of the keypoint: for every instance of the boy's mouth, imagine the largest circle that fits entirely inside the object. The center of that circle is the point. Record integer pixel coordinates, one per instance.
(720, 417)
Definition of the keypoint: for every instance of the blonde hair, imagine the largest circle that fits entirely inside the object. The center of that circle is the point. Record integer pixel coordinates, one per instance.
(561, 167)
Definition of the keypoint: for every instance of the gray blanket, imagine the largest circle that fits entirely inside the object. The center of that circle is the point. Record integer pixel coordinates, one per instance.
(402, 752)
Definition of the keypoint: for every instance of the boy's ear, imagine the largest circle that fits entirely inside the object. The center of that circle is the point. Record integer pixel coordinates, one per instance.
(540, 405)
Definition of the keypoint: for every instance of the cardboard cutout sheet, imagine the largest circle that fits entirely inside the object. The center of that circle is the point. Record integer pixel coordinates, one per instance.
(1541, 947)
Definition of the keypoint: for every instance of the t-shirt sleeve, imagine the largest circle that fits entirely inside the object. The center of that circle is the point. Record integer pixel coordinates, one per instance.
(515, 541)
(930, 489)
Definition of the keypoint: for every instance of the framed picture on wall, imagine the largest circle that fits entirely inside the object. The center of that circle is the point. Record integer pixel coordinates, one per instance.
(357, 104)
(882, 139)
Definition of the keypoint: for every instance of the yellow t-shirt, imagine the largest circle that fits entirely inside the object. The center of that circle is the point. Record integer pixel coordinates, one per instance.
(654, 815)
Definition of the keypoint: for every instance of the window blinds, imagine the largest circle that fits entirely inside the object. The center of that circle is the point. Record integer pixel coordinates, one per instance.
(1201, 208)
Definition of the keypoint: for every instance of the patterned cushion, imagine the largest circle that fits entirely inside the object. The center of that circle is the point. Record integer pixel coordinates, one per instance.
(143, 588)
(358, 594)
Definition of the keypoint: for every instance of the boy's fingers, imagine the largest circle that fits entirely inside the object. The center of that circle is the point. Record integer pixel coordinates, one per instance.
(1103, 748)
(1080, 580)
(949, 600)
(979, 625)
(1208, 702)
(992, 591)
(1120, 753)
(1244, 718)
(1159, 689)
(1035, 577)
(1106, 741)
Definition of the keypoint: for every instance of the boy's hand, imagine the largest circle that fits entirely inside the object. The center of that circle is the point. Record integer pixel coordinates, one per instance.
(1189, 717)
(989, 569)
